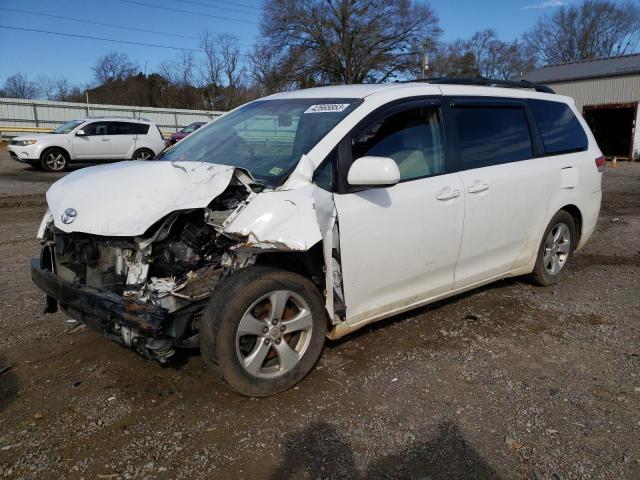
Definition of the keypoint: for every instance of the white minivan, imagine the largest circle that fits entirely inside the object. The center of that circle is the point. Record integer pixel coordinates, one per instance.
(89, 140)
(310, 214)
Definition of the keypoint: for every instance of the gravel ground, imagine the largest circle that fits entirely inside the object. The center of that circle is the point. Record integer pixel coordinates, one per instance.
(508, 381)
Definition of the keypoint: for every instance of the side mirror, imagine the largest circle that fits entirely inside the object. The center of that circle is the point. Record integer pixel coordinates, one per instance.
(80, 133)
(373, 172)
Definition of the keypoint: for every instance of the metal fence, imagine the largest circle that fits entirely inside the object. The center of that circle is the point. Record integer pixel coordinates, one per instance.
(47, 115)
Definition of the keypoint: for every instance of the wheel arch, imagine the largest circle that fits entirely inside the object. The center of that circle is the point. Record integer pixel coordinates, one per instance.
(576, 214)
(309, 263)
(55, 147)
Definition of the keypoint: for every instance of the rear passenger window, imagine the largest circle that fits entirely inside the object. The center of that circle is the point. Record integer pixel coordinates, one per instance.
(492, 135)
(122, 128)
(560, 129)
(413, 138)
(141, 128)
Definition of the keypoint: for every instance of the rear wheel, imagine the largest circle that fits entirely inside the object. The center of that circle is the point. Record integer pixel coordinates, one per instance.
(54, 160)
(263, 330)
(556, 250)
(143, 154)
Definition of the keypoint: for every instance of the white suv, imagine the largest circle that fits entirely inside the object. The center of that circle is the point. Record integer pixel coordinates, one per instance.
(313, 213)
(89, 140)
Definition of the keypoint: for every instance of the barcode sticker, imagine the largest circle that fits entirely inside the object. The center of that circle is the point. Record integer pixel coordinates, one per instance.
(327, 108)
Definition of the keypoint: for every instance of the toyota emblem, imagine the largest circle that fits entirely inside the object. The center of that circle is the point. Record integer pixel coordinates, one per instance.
(68, 216)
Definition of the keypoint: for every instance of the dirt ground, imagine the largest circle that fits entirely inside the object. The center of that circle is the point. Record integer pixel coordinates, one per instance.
(509, 381)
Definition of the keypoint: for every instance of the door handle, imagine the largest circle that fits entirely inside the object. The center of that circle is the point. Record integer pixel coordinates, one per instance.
(448, 194)
(104, 139)
(478, 187)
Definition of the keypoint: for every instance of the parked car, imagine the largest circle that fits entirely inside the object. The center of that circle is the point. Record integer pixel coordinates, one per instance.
(177, 136)
(89, 140)
(311, 214)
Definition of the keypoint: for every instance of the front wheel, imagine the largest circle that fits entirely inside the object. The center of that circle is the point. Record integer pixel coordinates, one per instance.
(556, 250)
(143, 154)
(54, 160)
(263, 330)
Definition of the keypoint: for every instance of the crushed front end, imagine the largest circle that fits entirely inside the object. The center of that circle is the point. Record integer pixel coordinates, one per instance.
(145, 292)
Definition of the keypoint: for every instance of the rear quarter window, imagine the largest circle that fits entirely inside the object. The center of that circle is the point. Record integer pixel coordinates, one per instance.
(141, 128)
(560, 129)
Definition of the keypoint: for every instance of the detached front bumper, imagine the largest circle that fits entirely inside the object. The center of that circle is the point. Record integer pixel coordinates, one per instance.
(102, 310)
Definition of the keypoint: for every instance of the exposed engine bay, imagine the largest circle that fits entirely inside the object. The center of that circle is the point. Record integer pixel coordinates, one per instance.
(174, 267)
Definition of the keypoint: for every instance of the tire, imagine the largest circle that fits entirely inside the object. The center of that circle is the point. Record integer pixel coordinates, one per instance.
(143, 154)
(268, 358)
(54, 160)
(555, 251)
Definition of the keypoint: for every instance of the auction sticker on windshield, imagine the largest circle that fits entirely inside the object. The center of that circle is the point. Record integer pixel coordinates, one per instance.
(327, 108)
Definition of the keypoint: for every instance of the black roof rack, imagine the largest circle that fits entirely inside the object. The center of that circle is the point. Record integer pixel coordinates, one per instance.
(486, 82)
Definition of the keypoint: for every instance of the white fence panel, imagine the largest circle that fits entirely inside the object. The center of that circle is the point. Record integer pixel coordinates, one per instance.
(21, 113)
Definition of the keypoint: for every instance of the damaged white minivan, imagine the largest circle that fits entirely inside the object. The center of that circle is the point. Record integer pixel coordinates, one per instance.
(310, 214)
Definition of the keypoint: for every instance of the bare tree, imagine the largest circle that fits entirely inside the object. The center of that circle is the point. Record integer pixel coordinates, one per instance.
(485, 55)
(231, 59)
(56, 88)
(223, 71)
(64, 91)
(592, 29)
(181, 75)
(349, 41)
(113, 66)
(181, 70)
(232, 67)
(266, 72)
(453, 60)
(514, 60)
(46, 87)
(211, 70)
(495, 58)
(19, 86)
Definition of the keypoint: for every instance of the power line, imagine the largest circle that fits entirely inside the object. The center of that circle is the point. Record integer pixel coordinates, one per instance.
(97, 23)
(63, 34)
(189, 12)
(239, 4)
(208, 5)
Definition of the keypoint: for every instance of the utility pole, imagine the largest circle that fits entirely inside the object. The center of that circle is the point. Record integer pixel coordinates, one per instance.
(425, 65)
(424, 72)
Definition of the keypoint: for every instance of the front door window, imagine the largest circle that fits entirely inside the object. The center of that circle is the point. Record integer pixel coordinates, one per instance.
(413, 138)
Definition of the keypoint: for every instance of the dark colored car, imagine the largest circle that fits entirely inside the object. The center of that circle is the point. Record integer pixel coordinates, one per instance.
(189, 129)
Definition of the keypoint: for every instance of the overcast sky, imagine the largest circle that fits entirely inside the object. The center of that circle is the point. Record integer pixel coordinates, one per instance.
(177, 23)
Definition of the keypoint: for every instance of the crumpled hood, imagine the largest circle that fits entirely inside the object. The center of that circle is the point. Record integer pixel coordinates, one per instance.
(126, 198)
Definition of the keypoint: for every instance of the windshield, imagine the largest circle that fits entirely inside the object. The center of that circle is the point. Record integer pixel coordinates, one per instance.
(265, 137)
(68, 127)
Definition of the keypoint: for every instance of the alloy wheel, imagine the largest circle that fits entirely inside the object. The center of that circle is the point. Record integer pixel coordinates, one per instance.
(557, 248)
(55, 161)
(274, 334)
